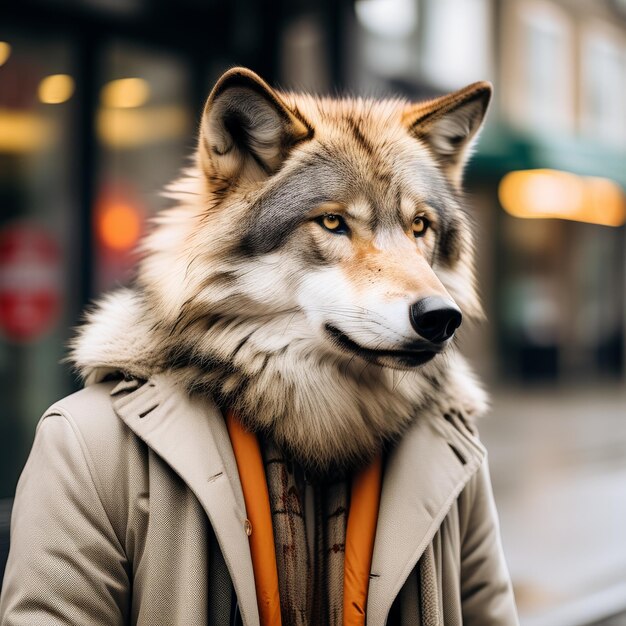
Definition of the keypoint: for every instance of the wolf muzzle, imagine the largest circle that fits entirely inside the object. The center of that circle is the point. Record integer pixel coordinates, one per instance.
(435, 318)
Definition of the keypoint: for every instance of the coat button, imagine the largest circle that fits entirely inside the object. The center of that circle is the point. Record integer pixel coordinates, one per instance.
(247, 527)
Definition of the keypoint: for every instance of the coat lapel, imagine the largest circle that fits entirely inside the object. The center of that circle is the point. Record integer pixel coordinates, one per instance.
(423, 477)
(189, 434)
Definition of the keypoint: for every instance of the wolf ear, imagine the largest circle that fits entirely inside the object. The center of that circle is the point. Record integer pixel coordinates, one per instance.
(448, 125)
(247, 130)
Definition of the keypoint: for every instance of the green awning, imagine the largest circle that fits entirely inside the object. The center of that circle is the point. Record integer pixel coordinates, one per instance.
(502, 149)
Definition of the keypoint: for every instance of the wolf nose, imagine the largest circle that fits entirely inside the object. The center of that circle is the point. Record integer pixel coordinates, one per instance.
(435, 318)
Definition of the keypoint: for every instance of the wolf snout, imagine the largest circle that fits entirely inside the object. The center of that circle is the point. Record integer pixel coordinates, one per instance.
(435, 318)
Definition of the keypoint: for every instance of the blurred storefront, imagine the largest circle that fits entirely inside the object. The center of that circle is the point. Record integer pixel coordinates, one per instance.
(553, 286)
(100, 101)
(546, 190)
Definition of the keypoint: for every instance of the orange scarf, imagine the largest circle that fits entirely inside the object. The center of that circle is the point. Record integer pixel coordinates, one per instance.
(360, 532)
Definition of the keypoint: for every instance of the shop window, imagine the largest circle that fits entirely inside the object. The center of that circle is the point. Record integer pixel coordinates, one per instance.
(538, 66)
(426, 46)
(603, 85)
(456, 44)
(145, 130)
(39, 235)
(385, 37)
(561, 315)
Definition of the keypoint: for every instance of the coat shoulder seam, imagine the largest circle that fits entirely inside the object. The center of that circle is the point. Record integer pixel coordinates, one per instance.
(57, 411)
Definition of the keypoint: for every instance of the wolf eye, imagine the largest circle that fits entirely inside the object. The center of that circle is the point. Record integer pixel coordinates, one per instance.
(333, 223)
(420, 226)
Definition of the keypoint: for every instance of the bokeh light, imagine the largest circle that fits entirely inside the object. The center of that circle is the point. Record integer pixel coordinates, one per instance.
(119, 225)
(546, 193)
(56, 89)
(5, 52)
(125, 93)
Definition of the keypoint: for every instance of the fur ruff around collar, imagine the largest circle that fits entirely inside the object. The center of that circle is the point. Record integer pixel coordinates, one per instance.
(326, 412)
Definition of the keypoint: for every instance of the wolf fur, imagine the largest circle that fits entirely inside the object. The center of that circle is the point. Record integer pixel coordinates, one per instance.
(240, 283)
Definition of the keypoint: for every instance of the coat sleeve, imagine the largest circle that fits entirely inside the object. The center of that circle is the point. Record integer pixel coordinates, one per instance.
(66, 564)
(486, 590)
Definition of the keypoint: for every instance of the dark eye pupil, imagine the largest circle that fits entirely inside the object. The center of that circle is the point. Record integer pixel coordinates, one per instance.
(333, 223)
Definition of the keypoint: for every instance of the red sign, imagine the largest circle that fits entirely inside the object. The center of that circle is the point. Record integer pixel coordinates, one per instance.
(30, 285)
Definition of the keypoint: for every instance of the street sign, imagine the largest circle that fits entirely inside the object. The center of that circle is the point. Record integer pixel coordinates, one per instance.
(30, 282)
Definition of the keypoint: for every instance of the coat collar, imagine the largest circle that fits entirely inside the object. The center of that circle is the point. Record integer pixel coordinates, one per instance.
(190, 435)
(424, 475)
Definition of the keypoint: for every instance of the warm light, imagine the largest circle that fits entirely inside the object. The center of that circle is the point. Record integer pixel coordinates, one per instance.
(119, 226)
(556, 194)
(5, 52)
(23, 132)
(123, 129)
(56, 89)
(125, 93)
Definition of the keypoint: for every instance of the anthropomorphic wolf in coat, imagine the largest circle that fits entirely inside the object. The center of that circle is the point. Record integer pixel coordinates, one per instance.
(277, 427)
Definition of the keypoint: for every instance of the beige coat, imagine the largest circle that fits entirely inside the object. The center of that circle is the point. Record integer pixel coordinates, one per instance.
(130, 511)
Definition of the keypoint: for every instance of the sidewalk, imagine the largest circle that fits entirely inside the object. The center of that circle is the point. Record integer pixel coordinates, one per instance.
(558, 463)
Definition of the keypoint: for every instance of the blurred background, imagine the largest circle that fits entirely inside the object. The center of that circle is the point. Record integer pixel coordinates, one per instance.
(99, 105)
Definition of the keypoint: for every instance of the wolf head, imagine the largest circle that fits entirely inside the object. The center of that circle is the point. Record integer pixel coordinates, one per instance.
(314, 270)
